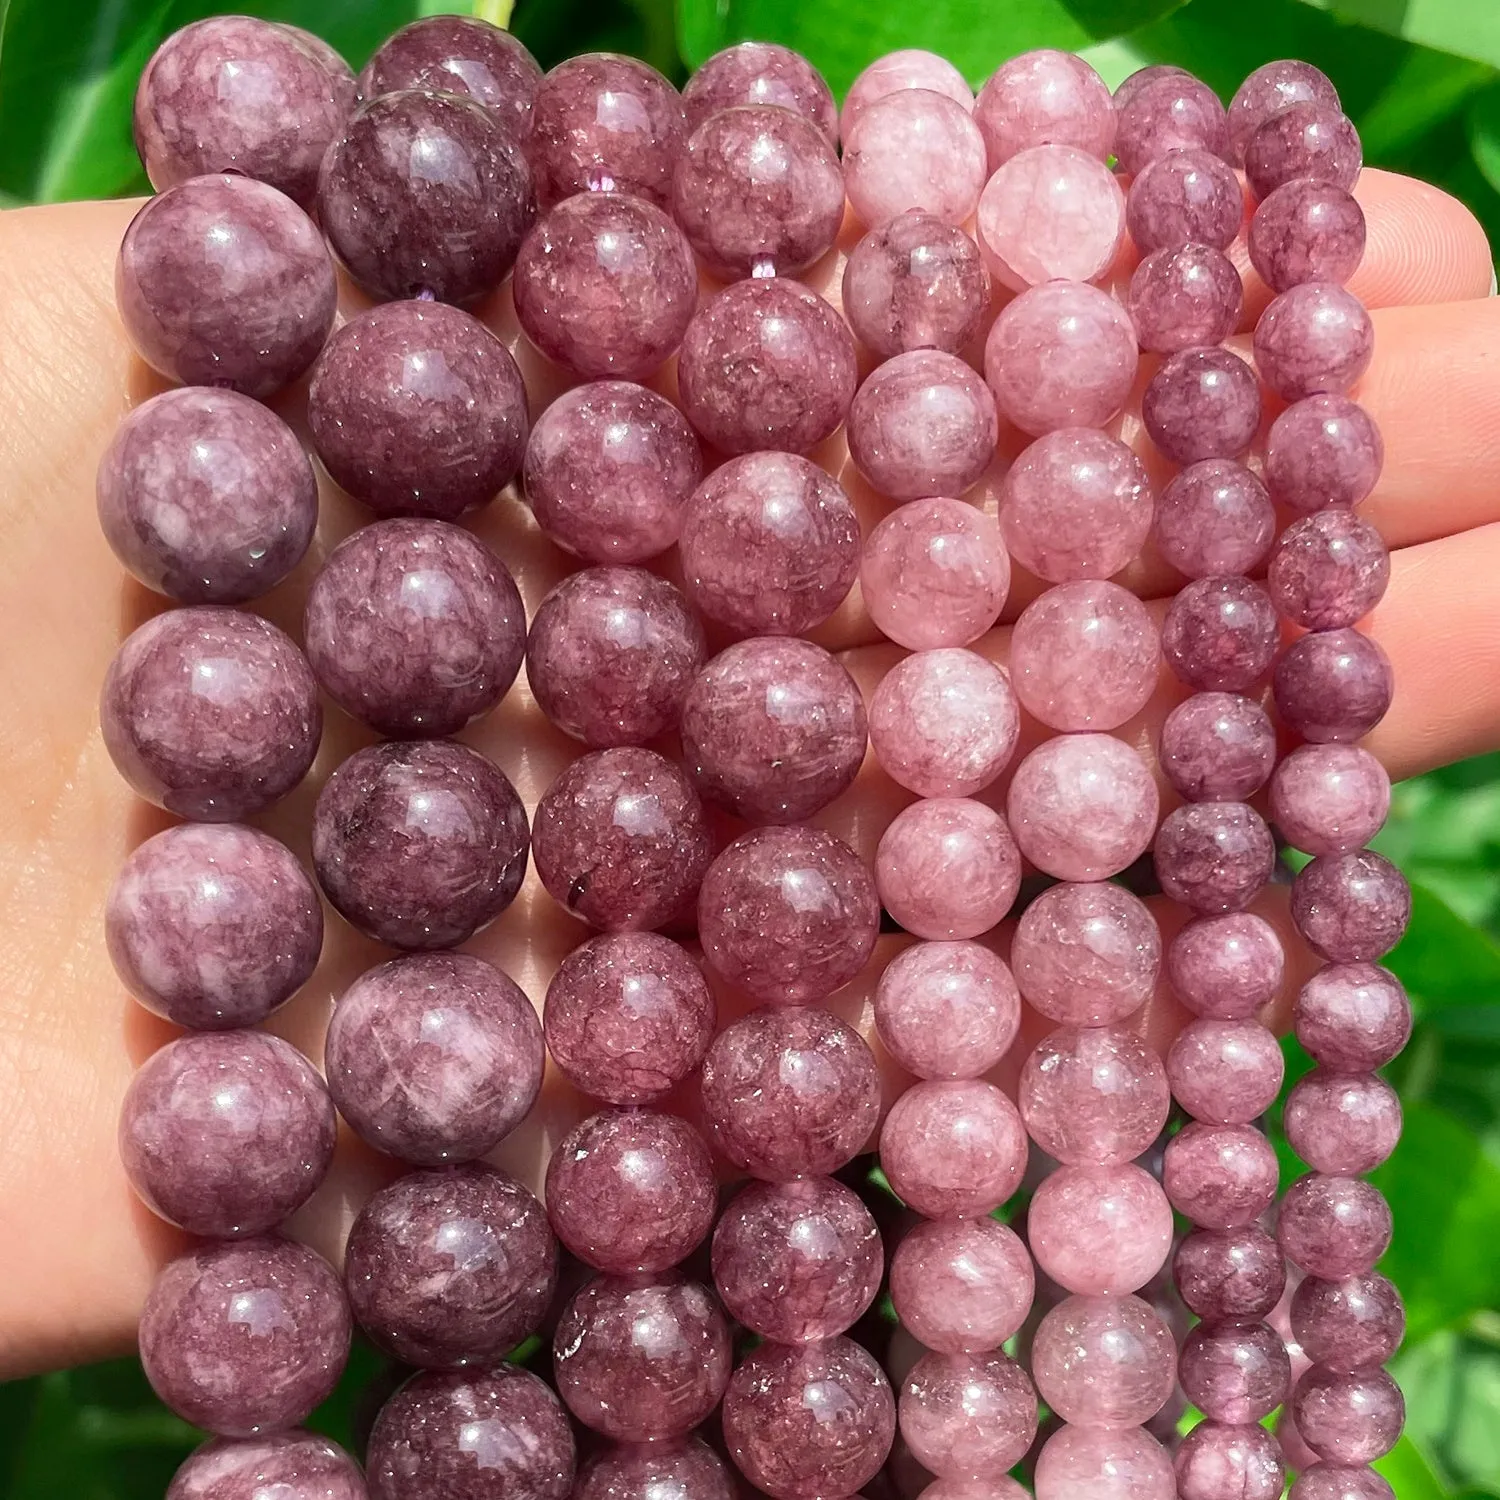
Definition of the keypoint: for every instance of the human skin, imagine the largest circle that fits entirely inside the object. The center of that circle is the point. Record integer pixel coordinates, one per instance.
(79, 1251)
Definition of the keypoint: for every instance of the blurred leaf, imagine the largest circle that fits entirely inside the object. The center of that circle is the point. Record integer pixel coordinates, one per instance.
(1452, 1387)
(1449, 966)
(1484, 135)
(1409, 1474)
(1427, 87)
(1471, 28)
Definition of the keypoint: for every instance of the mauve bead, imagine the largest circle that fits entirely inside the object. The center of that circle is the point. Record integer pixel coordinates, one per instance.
(1313, 340)
(1352, 1017)
(1233, 1273)
(797, 1262)
(631, 1191)
(1321, 452)
(1104, 1361)
(1240, 1459)
(773, 729)
(1307, 231)
(1217, 747)
(603, 122)
(1332, 685)
(1220, 634)
(419, 844)
(1184, 197)
(1226, 967)
(1324, 1481)
(628, 1017)
(915, 283)
(1225, 1072)
(1093, 1095)
(1174, 112)
(418, 409)
(1349, 1324)
(1351, 907)
(787, 915)
(962, 1286)
(1235, 1372)
(1183, 296)
(425, 193)
(1099, 1230)
(760, 73)
(967, 1415)
(686, 1469)
(953, 1148)
(769, 545)
(913, 149)
(1202, 403)
(1214, 518)
(434, 1058)
(1328, 570)
(1329, 799)
(906, 68)
(638, 1361)
(1094, 1463)
(1333, 1226)
(1341, 1123)
(213, 925)
(1271, 88)
(1045, 97)
(1214, 856)
(790, 1092)
(247, 1337)
(1306, 140)
(947, 1010)
(210, 713)
(471, 1435)
(947, 867)
(605, 285)
(289, 1465)
(206, 496)
(223, 281)
(1220, 1176)
(608, 472)
(1348, 1419)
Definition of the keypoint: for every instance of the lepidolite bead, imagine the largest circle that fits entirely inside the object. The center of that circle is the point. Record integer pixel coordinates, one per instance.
(787, 915)
(1045, 97)
(962, 1285)
(1342, 1123)
(1183, 296)
(1226, 966)
(1104, 1361)
(295, 1465)
(906, 68)
(1098, 1463)
(1333, 1226)
(621, 839)
(1220, 634)
(420, 844)
(1348, 1419)
(914, 149)
(247, 1337)
(1214, 856)
(1271, 88)
(1349, 1324)
(1307, 231)
(947, 1010)
(1315, 339)
(1235, 1372)
(966, 1415)
(1184, 197)
(210, 713)
(1220, 1176)
(434, 1058)
(1332, 685)
(1323, 451)
(1309, 139)
(1217, 747)
(1230, 1274)
(1328, 799)
(1223, 1458)
(1351, 907)
(1214, 518)
(1099, 1230)
(1225, 1072)
(643, 1471)
(1325, 1481)
(760, 73)
(631, 1192)
(1329, 570)
(797, 1262)
(953, 1148)
(1352, 1016)
(1202, 403)
(1174, 112)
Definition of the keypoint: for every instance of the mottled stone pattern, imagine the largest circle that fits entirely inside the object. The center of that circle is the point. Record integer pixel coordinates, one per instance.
(1224, 1458)
(1227, 1072)
(1333, 1226)
(1202, 403)
(1185, 295)
(953, 1148)
(1271, 88)
(1351, 907)
(1325, 1481)
(1172, 112)
(1332, 686)
(1315, 339)
(962, 1285)
(1184, 197)
(1214, 856)
(1328, 799)
(914, 149)
(760, 73)
(1220, 634)
(1215, 517)
(1307, 231)
(1045, 97)
(1217, 747)
(643, 1471)
(1321, 452)
(1235, 1372)
(1099, 1230)
(1104, 1361)
(291, 1465)
(1352, 1016)
(947, 1010)
(1304, 140)
(1220, 1176)
(1337, 1123)
(1349, 1324)
(1104, 1464)
(1329, 570)
(1233, 1273)
(964, 1414)
(1226, 966)
(906, 68)
(1350, 1419)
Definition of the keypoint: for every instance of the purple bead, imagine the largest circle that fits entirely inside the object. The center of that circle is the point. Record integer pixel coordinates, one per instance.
(420, 844)
(799, 1261)
(425, 193)
(962, 1285)
(1202, 403)
(621, 840)
(1332, 686)
(1220, 1176)
(1349, 1324)
(471, 1435)
(434, 1058)
(687, 1468)
(418, 409)
(631, 1191)
(1182, 198)
(1134, 82)
(628, 1017)
(1341, 1123)
(451, 1267)
(1333, 1226)
(224, 281)
(1271, 88)
(953, 1148)
(1217, 747)
(1352, 1017)
(1305, 140)
(1235, 1372)
(245, 1338)
(207, 496)
(1044, 97)
(213, 926)
(1225, 1072)
(790, 1092)
(1348, 1419)
(602, 122)
(1104, 1361)
(1183, 296)
(1321, 452)
(1174, 112)
(1328, 570)
(769, 545)
(1231, 1273)
(1220, 634)
(1214, 518)
(210, 713)
(1313, 340)
(964, 1415)
(290, 1465)
(414, 627)
(639, 1362)
(1226, 967)
(1214, 856)
(1240, 1459)
(760, 73)
(1329, 799)
(611, 655)
(605, 285)
(1307, 231)
(1351, 907)
(1104, 1464)
(773, 729)
(1325, 1481)
(809, 1421)
(608, 472)
(1099, 1229)
(947, 1010)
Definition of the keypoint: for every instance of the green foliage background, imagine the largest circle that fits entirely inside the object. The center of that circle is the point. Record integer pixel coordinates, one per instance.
(1422, 80)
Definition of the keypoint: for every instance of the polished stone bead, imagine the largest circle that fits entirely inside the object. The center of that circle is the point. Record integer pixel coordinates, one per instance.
(245, 1338)
(223, 281)
(1352, 1016)
(1321, 452)
(790, 1092)
(1133, 83)
(947, 1010)
(1309, 140)
(1214, 856)
(1104, 1361)
(1095, 1463)
(1184, 296)
(1350, 1324)
(1173, 112)
(1235, 1372)
(1045, 97)
(1202, 403)
(797, 1262)
(684, 1469)
(760, 73)
(1240, 1459)
(769, 545)
(1328, 570)
(210, 713)
(1329, 799)
(1307, 231)
(1342, 1123)
(213, 926)
(913, 149)
(773, 729)
(953, 1148)
(420, 844)
(434, 1058)
(1184, 197)
(206, 496)
(1215, 518)
(962, 1285)
(1348, 1419)
(1230, 1273)
(290, 1465)
(1099, 1230)
(1332, 685)
(1271, 88)
(1324, 1481)
(1217, 747)
(967, 1415)
(908, 68)
(1220, 1176)
(1333, 1226)
(1351, 907)
(1220, 634)
(638, 1360)
(425, 193)
(1315, 339)
(787, 915)
(631, 1192)
(1226, 967)
(1225, 1072)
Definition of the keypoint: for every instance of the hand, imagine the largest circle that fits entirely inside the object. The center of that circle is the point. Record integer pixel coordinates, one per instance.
(79, 1251)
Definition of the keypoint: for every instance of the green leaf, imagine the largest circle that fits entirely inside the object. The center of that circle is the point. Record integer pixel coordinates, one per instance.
(1450, 968)
(1484, 135)
(1452, 1386)
(1426, 88)
(1409, 1474)
(1471, 28)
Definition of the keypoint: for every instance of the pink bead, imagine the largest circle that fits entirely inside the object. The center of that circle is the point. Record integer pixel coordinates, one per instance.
(913, 149)
(1316, 339)
(1003, 1488)
(1271, 88)
(967, 1415)
(1217, 747)
(911, 68)
(1202, 403)
(1340, 1482)
(1240, 1459)
(1185, 295)
(1220, 1176)
(1348, 1419)
(1306, 140)
(1092, 1463)
(1349, 1324)
(1322, 452)
(1329, 570)
(1182, 198)
(1214, 856)
(1214, 518)
(962, 1285)
(1235, 1372)
(1045, 97)
(1342, 1124)
(1226, 1072)
(1234, 1273)
(1099, 1230)
(947, 867)
(1174, 112)
(1104, 1361)
(1352, 1017)
(1333, 1226)
(1326, 799)
(947, 1010)
(1226, 967)
(1220, 634)
(1351, 907)
(953, 1149)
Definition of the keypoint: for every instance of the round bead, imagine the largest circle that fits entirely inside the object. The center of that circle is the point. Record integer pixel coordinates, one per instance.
(1045, 97)
(434, 1058)
(641, 1471)
(1104, 1361)
(913, 149)
(1134, 82)
(1235, 1372)
(1307, 231)
(760, 73)
(1184, 197)
(1329, 570)
(1348, 1419)
(1329, 799)
(207, 496)
(1321, 452)
(1214, 856)
(1232, 1273)
(787, 915)
(621, 839)
(1314, 339)
(1271, 88)
(1202, 403)
(1350, 1324)
(953, 1148)
(1227, 967)
(1332, 686)
(908, 68)
(1305, 140)
(966, 1415)
(1183, 296)
(293, 1465)
(947, 1010)
(1220, 634)
(1351, 907)
(1352, 1017)
(1333, 1226)
(1342, 1124)
(1095, 1463)
(1325, 1481)
(1214, 518)
(224, 281)
(1098, 1230)
(210, 713)
(1219, 1458)
(1173, 112)
(962, 1285)
(1217, 747)
(1220, 1176)
(1225, 1072)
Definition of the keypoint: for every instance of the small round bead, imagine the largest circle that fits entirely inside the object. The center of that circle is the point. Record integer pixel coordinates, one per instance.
(804, 1421)
(434, 1058)
(210, 713)
(908, 68)
(1099, 1230)
(1323, 452)
(291, 1465)
(760, 73)
(1214, 856)
(1271, 88)
(425, 193)
(1339, 1123)
(797, 1262)
(1234, 1372)
(1173, 112)
(1202, 403)
(1184, 296)
(953, 1148)
(1240, 1459)
(420, 844)
(451, 1267)
(962, 1286)
(605, 285)
(1329, 799)
(1307, 231)
(207, 496)
(1306, 140)
(224, 281)
(1045, 97)
(947, 1010)
(947, 867)
(1226, 967)
(1328, 570)
(1348, 1419)
(631, 1192)
(245, 1338)
(1349, 1324)
(1217, 747)
(1095, 1463)
(1104, 1361)
(766, 364)
(1313, 340)
(1215, 518)
(1351, 907)
(1134, 82)
(1333, 1226)
(1225, 1072)
(1220, 1176)
(1324, 1481)
(966, 1415)
(687, 1467)
(1220, 634)
(914, 149)
(769, 545)
(1352, 1017)
(790, 1092)
(1184, 197)
(1332, 685)
(1231, 1273)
